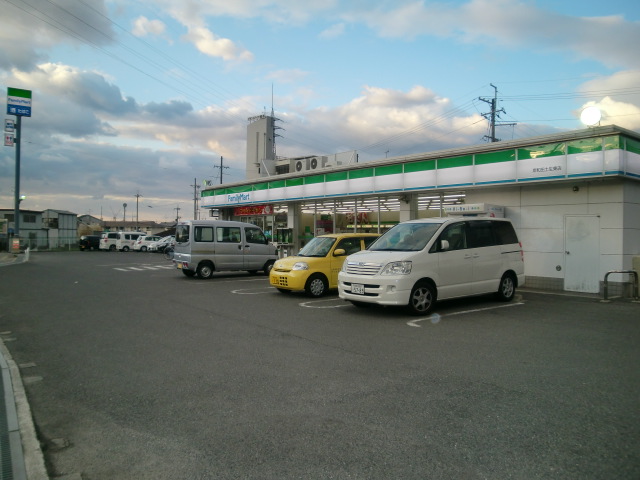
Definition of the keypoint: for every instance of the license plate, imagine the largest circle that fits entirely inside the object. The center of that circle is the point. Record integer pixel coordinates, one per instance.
(357, 289)
(179, 265)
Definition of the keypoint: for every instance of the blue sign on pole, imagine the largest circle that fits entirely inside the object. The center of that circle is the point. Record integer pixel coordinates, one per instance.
(18, 102)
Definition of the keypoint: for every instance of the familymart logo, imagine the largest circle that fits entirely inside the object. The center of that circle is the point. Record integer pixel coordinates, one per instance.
(238, 197)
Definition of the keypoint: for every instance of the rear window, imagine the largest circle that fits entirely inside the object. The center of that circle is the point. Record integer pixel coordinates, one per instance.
(505, 233)
(182, 233)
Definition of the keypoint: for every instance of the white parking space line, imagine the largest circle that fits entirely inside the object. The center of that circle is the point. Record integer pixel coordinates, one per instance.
(252, 291)
(144, 268)
(436, 317)
(313, 303)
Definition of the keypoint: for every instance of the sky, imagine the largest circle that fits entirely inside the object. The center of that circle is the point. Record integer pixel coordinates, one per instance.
(139, 102)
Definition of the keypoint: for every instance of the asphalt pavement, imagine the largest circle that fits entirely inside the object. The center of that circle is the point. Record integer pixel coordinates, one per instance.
(490, 400)
(20, 451)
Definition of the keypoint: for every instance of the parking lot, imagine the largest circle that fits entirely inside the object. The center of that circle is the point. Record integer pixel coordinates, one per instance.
(135, 371)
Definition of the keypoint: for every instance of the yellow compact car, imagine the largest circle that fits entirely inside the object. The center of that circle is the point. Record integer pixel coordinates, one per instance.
(315, 268)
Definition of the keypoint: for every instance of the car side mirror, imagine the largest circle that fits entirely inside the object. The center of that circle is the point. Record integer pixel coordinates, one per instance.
(444, 245)
(339, 252)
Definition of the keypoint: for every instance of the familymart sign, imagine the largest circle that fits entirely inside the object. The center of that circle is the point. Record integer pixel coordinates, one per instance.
(18, 102)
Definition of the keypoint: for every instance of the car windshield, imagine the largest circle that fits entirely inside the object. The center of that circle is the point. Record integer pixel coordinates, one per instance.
(182, 233)
(317, 247)
(406, 237)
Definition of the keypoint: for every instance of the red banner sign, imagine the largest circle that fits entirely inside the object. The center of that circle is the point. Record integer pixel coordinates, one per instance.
(253, 210)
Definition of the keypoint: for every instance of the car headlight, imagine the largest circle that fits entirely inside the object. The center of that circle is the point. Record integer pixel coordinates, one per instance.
(396, 268)
(300, 266)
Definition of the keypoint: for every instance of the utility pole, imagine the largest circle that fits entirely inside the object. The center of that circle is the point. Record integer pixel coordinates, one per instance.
(220, 167)
(137, 219)
(196, 187)
(493, 115)
(177, 209)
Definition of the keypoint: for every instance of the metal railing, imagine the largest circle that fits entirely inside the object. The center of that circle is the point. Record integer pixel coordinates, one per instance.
(633, 274)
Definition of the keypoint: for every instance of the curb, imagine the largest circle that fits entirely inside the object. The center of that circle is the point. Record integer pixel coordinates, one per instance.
(27, 459)
(13, 258)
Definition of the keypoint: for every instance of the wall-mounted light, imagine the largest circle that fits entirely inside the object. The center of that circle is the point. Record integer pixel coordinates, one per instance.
(576, 188)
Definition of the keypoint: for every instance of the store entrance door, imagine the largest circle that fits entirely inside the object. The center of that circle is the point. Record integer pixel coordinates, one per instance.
(582, 253)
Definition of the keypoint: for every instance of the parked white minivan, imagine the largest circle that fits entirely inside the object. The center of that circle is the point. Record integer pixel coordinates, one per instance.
(108, 241)
(421, 261)
(125, 240)
(205, 246)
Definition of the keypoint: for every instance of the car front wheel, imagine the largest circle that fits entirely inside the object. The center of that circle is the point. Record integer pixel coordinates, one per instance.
(316, 285)
(422, 299)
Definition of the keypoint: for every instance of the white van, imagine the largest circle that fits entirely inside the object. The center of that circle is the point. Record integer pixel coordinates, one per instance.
(421, 261)
(205, 246)
(108, 241)
(126, 240)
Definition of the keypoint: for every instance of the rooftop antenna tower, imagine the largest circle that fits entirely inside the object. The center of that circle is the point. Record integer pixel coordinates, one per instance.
(275, 127)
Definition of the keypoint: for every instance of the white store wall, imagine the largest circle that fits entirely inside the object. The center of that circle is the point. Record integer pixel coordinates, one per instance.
(539, 213)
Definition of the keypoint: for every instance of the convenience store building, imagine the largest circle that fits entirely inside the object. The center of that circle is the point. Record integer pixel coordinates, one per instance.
(573, 197)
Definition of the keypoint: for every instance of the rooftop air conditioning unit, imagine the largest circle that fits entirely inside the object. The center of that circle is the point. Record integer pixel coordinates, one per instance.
(299, 165)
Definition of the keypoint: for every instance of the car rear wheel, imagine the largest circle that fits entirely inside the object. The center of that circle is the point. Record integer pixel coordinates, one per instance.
(422, 299)
(205, 270)
(316, 285)
(507, 288)
(112, 248)
(143, 248)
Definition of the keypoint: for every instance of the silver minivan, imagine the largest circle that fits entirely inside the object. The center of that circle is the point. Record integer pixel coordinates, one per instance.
(205, 246)
(421, 261)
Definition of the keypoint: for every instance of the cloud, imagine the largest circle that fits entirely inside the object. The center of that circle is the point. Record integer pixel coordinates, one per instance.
(86, 89)
(618, 98)
(210, 44)
(285, 12)
(142, 27)
(510, 23)
(28, 30)
(379, 120)
(334, 31)
(168, 110)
